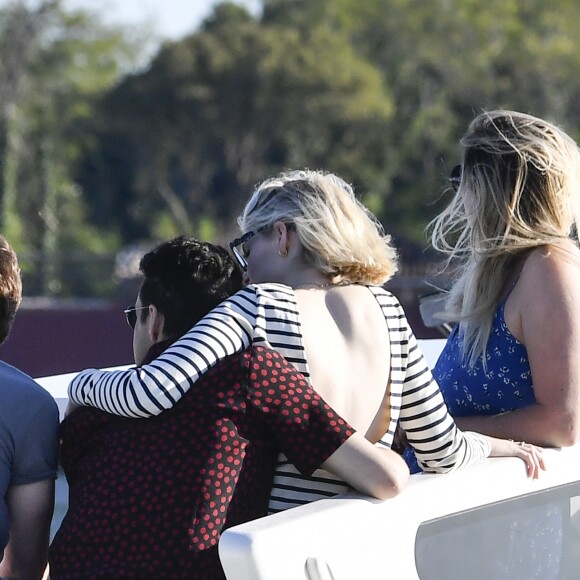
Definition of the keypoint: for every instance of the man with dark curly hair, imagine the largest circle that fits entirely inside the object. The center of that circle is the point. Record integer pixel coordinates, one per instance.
(150, 498)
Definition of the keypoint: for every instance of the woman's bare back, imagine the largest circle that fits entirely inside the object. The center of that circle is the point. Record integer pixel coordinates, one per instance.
(347, 346)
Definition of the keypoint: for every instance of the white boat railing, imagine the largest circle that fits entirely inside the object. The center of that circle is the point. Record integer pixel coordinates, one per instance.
(487, 521)
(355, 537)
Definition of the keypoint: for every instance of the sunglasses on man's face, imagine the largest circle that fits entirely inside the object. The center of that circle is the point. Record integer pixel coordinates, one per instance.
(131, 314)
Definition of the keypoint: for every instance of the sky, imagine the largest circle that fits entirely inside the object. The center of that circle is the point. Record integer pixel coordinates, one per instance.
(171, 19)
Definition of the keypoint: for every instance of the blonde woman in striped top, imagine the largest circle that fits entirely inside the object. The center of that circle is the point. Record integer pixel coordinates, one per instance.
(317, 260)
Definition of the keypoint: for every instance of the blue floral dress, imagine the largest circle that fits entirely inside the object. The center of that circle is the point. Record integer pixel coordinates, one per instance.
(532, 542)
(505, 384)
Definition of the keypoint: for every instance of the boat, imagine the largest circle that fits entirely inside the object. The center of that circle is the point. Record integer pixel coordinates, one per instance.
(485, 521)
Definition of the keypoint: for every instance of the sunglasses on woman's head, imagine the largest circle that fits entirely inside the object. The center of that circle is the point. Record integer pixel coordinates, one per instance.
(455, 177)
(131, 314)
(240, 254)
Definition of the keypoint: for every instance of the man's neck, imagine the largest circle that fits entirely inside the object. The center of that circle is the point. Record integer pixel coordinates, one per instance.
(156, 350)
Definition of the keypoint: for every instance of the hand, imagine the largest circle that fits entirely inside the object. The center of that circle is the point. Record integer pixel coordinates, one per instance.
(531, 455)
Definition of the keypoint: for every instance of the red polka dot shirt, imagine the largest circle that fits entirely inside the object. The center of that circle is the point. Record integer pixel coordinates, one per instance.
(150, 497)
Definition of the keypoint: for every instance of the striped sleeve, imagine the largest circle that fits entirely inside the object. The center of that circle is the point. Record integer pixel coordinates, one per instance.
(149, 390)
(438, 443)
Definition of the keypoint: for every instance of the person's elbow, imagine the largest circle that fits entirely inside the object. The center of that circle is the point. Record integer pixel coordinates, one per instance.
(569, 432)
(394, 480)
(564, 431)
(567, 438)
(377, 472)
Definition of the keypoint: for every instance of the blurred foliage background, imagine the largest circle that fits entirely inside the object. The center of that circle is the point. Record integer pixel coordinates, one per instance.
(102, 149)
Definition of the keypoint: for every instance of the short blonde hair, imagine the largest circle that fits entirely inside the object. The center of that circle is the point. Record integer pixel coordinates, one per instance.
(10, 287)
(339, 235)
(519, 190)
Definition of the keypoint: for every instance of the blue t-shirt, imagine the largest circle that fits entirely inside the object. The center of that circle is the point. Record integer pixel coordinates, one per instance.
(29, 436)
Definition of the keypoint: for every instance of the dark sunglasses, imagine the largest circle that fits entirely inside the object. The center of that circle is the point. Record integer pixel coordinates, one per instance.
(240, 254)
(455, 177)
(131, 314)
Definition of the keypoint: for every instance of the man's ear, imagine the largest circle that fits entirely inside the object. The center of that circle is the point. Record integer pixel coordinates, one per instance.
(155, 324)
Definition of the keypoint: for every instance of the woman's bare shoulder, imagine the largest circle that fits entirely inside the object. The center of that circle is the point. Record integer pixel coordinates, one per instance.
(553, 264)
(549, 281)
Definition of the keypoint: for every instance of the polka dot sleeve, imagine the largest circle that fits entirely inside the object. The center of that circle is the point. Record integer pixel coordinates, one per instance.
(306, 429)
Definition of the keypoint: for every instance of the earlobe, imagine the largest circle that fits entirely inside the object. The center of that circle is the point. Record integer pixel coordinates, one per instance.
(283, 238)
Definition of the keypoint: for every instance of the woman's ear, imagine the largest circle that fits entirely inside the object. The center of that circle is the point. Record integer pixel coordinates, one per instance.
(155, 324)
(283, 233)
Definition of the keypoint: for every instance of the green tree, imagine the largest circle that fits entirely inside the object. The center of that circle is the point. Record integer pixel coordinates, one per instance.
(378, 91)
(20, 32)
(70, 59)
(235, 102)
(444, 61)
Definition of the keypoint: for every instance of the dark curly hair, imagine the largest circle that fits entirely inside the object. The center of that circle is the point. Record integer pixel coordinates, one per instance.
(185, 279)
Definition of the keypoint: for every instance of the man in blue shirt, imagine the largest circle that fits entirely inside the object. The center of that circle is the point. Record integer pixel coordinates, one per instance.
(29, 431)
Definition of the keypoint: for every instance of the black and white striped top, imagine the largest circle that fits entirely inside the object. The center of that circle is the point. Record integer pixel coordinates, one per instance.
(268, 314)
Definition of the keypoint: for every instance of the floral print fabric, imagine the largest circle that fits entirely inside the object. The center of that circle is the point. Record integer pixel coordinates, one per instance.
(503, 385)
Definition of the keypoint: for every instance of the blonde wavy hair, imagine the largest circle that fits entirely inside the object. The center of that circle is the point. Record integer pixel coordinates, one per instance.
(519, 190)
(339, 235)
